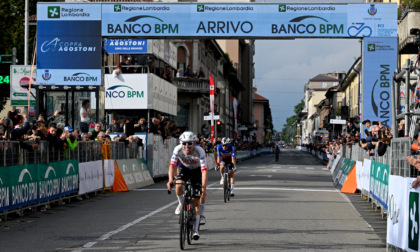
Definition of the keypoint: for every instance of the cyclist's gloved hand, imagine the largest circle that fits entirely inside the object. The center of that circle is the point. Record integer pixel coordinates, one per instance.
(217, 167)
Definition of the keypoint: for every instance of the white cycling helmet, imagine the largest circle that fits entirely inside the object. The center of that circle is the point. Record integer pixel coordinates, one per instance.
(187, 137)
(225, 140)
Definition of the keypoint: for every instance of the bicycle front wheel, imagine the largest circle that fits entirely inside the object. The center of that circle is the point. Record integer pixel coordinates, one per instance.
(225, 187)
(190, 225)
(183, 225)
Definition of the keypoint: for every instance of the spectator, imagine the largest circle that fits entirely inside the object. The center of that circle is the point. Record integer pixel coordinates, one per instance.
(85, 116)
(155, 126)
(100, 137)
(94, 132)
(114, 126)
(187, 73)
(201, 73)
(85, 137)
(141, 126)
(368, 126)
(128, 127)
(70, 138)
(178, 73)
(117, 71)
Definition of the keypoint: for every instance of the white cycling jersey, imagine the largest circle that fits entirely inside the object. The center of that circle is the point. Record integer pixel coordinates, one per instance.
(195, 160)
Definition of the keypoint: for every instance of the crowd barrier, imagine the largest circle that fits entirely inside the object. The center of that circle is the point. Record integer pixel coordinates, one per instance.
(386, 182)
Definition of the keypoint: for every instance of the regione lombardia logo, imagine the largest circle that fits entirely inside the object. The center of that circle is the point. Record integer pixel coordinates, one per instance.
(282, 8)
(117, 7)
(53, 12)
(200, 8)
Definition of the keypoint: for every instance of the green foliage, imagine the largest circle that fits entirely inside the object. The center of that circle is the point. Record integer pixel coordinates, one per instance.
(411, 4)
(289, 129)
(228, 67)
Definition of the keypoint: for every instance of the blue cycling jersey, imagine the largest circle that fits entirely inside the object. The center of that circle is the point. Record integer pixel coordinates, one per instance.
(229, 152)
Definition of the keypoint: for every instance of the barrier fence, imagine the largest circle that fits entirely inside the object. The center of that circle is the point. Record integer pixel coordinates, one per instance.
(386, 182)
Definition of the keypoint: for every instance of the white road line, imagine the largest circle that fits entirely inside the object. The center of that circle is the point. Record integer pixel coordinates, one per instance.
(310, 168)
(325, 169)
(260, 167)
(258, 188)
(122, 228)
(292, 167)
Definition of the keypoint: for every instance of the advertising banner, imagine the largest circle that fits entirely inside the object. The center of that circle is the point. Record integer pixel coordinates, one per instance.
(379, 64)
(367, 164)
(135, 173)
(126, 91)
(69, 53)
(379, 176)
(20, 75)
(335, 164)
(131, 46)
(109, 172)
(24, 185)
(398, 211)
(411, 232)
(73, 12)
(249, 20)
(359, 174)
(344, 171)
(91, 176)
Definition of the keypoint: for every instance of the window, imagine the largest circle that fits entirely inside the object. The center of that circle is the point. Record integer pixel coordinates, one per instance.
(323, 85)
(335, 83)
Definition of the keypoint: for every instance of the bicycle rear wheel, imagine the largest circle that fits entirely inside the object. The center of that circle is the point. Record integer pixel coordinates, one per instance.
(228, 184)
(183, 226)
(225, 187)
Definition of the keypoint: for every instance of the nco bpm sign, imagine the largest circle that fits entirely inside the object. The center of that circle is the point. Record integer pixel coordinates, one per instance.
(70, 36)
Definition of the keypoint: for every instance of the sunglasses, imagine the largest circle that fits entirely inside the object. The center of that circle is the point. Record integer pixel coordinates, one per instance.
(226, 145)
(189, 144)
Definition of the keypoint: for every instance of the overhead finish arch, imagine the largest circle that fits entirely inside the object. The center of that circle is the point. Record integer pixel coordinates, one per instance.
(70, 35)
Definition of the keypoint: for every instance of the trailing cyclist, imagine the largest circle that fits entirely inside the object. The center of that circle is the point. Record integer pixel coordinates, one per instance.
(225, 157)
(191, 158)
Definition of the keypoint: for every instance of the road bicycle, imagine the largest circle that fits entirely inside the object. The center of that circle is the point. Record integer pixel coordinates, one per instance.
(186, 217)
(226, 183)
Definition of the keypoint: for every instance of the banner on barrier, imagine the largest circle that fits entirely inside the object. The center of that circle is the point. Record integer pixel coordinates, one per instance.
(336, 161)
(359, 174)
(23, 185)
(109, 172)
(91, 176)
(367, 163)
(343, 172)
(397, 216)
(337, 168)
(134, 173)
(379, 176)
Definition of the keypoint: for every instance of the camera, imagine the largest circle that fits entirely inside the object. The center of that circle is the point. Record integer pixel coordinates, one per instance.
(61, 113)
(415, 31)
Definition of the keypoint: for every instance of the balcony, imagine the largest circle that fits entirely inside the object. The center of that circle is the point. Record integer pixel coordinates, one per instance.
(190, 85)
(410, 19)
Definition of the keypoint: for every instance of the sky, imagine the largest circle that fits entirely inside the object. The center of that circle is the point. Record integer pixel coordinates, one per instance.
(283, 67)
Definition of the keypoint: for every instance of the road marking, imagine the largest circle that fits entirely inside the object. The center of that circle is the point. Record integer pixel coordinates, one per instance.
(277, 167)
(268, 176)
(261, 167)
(309, 168)
(124, 227)
(292, 167)
(258, 188)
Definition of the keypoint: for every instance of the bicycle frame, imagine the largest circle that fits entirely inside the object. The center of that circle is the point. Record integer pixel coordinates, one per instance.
(186, 221)
(226, 183)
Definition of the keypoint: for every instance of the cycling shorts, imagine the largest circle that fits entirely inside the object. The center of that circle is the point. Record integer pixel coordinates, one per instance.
(194, 175)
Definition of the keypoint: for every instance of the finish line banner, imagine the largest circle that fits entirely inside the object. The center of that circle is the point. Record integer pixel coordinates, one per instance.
(170, 20)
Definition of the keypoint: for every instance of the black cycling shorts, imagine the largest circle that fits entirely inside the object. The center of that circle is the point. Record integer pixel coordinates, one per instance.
(228, 162)
(194, 175)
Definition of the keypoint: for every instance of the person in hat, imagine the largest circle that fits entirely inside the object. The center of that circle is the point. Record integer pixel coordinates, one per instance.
(70, 138)
(368, 126)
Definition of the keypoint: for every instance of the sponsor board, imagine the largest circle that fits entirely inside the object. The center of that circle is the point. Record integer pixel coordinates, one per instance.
(70, 77)
(29, 184)
(20, 76)
(125, 45)
(91, 176)
(378, 188)
(135, 173)
(127, 91)
(379, 64)
(73, 12)
(244, 20)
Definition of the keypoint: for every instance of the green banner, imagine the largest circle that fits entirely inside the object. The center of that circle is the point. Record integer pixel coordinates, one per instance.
(379, 177)
(344, 172)
(23, 185)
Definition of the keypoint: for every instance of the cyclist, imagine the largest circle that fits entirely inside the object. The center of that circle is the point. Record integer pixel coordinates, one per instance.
(225, 156)
(191, 158)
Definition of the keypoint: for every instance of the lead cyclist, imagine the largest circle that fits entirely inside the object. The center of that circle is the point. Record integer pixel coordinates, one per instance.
(191, 158)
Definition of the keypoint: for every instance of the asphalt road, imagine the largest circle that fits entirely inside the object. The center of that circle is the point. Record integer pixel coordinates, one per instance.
(289, 205)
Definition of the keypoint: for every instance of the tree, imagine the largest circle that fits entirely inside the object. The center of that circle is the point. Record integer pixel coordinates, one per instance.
(289, 129)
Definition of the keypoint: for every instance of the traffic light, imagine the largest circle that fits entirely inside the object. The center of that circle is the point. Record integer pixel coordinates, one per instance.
(219, 126)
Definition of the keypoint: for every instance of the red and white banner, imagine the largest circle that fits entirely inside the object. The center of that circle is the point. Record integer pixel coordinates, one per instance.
(212, 106)
(235, 111)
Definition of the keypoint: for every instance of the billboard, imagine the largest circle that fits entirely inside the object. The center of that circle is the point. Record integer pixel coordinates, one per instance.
(131, 46)
(20, 76)
(379, 64)
(249, 20)
(69, 44)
